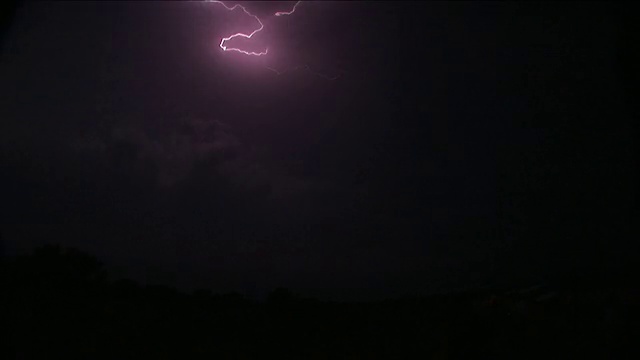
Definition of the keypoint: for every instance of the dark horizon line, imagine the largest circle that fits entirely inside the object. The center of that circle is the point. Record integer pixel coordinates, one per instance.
(498, 288)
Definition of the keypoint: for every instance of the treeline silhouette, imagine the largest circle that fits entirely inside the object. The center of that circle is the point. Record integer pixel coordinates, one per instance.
(60, 303)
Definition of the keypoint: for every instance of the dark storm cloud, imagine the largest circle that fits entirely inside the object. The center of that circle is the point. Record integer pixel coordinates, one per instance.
(174, 153)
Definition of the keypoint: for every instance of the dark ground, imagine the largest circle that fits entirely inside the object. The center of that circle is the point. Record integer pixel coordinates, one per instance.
(60, 303)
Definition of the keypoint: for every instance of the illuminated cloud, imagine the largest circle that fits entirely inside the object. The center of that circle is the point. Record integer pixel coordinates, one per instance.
(260, 26)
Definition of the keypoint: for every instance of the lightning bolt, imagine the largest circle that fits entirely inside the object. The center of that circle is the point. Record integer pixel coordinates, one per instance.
(260, 27)
(282, 13)
(246, 36)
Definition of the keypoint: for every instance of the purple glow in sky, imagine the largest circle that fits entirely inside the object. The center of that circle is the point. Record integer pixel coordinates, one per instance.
(240, 34)
(260, 27)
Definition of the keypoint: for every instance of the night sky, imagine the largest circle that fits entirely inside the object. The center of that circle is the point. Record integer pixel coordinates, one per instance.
(461, 144)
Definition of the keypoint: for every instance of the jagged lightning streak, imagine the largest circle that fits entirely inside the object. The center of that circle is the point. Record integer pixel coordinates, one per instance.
(246, 36)
(266, 51)
(281, 13)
